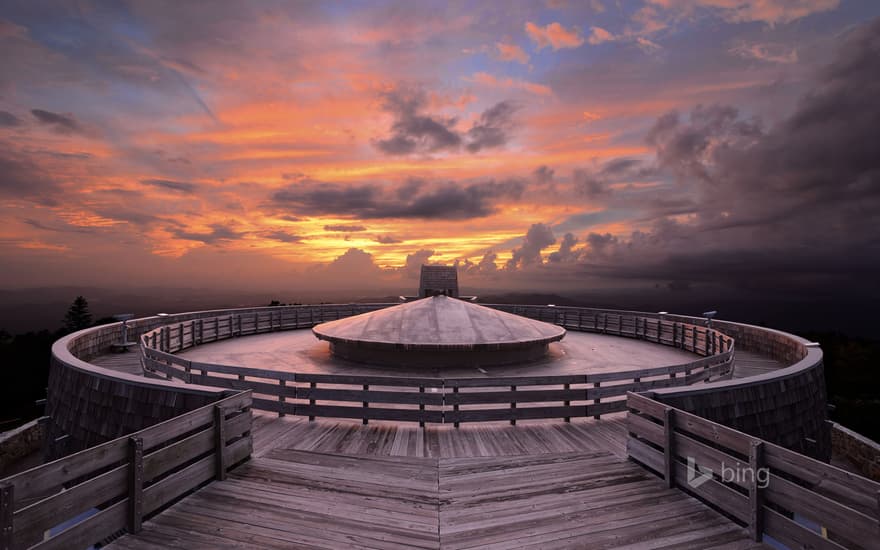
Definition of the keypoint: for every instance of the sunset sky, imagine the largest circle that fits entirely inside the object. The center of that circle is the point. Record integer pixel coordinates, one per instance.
(551, 145)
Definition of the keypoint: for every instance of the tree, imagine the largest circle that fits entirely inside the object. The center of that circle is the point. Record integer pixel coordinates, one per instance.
(78, 316)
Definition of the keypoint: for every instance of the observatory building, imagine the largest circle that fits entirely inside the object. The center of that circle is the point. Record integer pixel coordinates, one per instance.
(438, 331)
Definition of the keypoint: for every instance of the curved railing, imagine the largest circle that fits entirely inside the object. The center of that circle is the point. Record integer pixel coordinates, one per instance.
(437, 400)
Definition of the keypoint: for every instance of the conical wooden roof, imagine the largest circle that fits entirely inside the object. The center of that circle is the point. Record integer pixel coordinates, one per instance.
(439, 323)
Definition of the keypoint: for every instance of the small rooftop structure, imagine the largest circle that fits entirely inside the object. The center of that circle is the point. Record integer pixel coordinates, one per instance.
(438, 279)
(438, 331)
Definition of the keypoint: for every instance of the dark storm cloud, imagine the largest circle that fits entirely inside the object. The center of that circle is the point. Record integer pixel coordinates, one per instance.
(492, 129)
(341, 228)
(23, 177)
(8, 120)
(387, 239)
(537, 238)
(179, 186)
(283, 236)
(595, 182)
(566, 252)
(56, 229)
(219, 232)
(415, 131)
(414, 199)
(62, 124)
(791, 206)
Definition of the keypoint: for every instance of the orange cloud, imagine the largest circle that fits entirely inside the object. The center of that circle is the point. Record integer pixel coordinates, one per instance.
(599, 35)
(771, 12)
(486, 79)
(554, 35)
(511, 52)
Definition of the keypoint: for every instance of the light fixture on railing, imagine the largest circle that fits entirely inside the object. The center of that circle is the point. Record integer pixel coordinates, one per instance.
(709, 315)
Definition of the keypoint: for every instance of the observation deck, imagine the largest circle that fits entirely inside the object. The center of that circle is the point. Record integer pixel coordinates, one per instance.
(601, 458)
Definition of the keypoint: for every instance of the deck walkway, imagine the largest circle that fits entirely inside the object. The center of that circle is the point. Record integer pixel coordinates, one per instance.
(338, 484)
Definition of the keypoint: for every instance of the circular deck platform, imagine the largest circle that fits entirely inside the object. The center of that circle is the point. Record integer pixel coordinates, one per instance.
(299, 351)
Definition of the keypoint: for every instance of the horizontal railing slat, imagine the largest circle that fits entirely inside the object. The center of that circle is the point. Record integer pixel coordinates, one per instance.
(372, 396)
(520, 413)
(843, 521)
(82, 535)
(371, 413)
(32, 521)
(526, 396)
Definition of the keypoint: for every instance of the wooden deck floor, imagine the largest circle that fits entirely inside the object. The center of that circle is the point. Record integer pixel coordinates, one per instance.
(328, 484)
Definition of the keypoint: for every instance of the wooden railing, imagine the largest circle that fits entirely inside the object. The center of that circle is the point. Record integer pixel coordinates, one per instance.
(92, 495)
(440, 400)
(765, 487)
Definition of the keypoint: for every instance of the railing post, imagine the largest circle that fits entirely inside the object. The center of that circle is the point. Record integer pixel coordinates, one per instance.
(281, 399)
(597, 400)
(668, 446)
(219, 443)
(365, 420)
(313, 386)
(187, 368)
(7, 509)
(756, 497)
(513, 407)
(693, 339)
(455, 407)
(567, 402)
(201, 331)
(422, 408)
(135, 484)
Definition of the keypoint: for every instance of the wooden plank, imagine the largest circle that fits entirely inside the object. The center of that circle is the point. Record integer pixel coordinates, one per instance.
(373, 413)
(522, 413)
(181, 452)
(179, 425)
(645, 405)
(710, 490)
(265, 388)
(246, 371)
(167, 490)
(519, 396)
(219, 443)
(712, 431)
(371, 380)
(845, 487)
(756, 492)
(371, 396)
(7, 509)
(273, 406)
(135, 484)
(622, 389)
(645, 429)
(89, 531)
(595, 409)
(503, 381)
(669, 447)
(641, 452)
(793, 535)
(33, 520)
(844, 522)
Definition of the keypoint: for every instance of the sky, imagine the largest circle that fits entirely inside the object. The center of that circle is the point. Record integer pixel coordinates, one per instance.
(558, 145)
